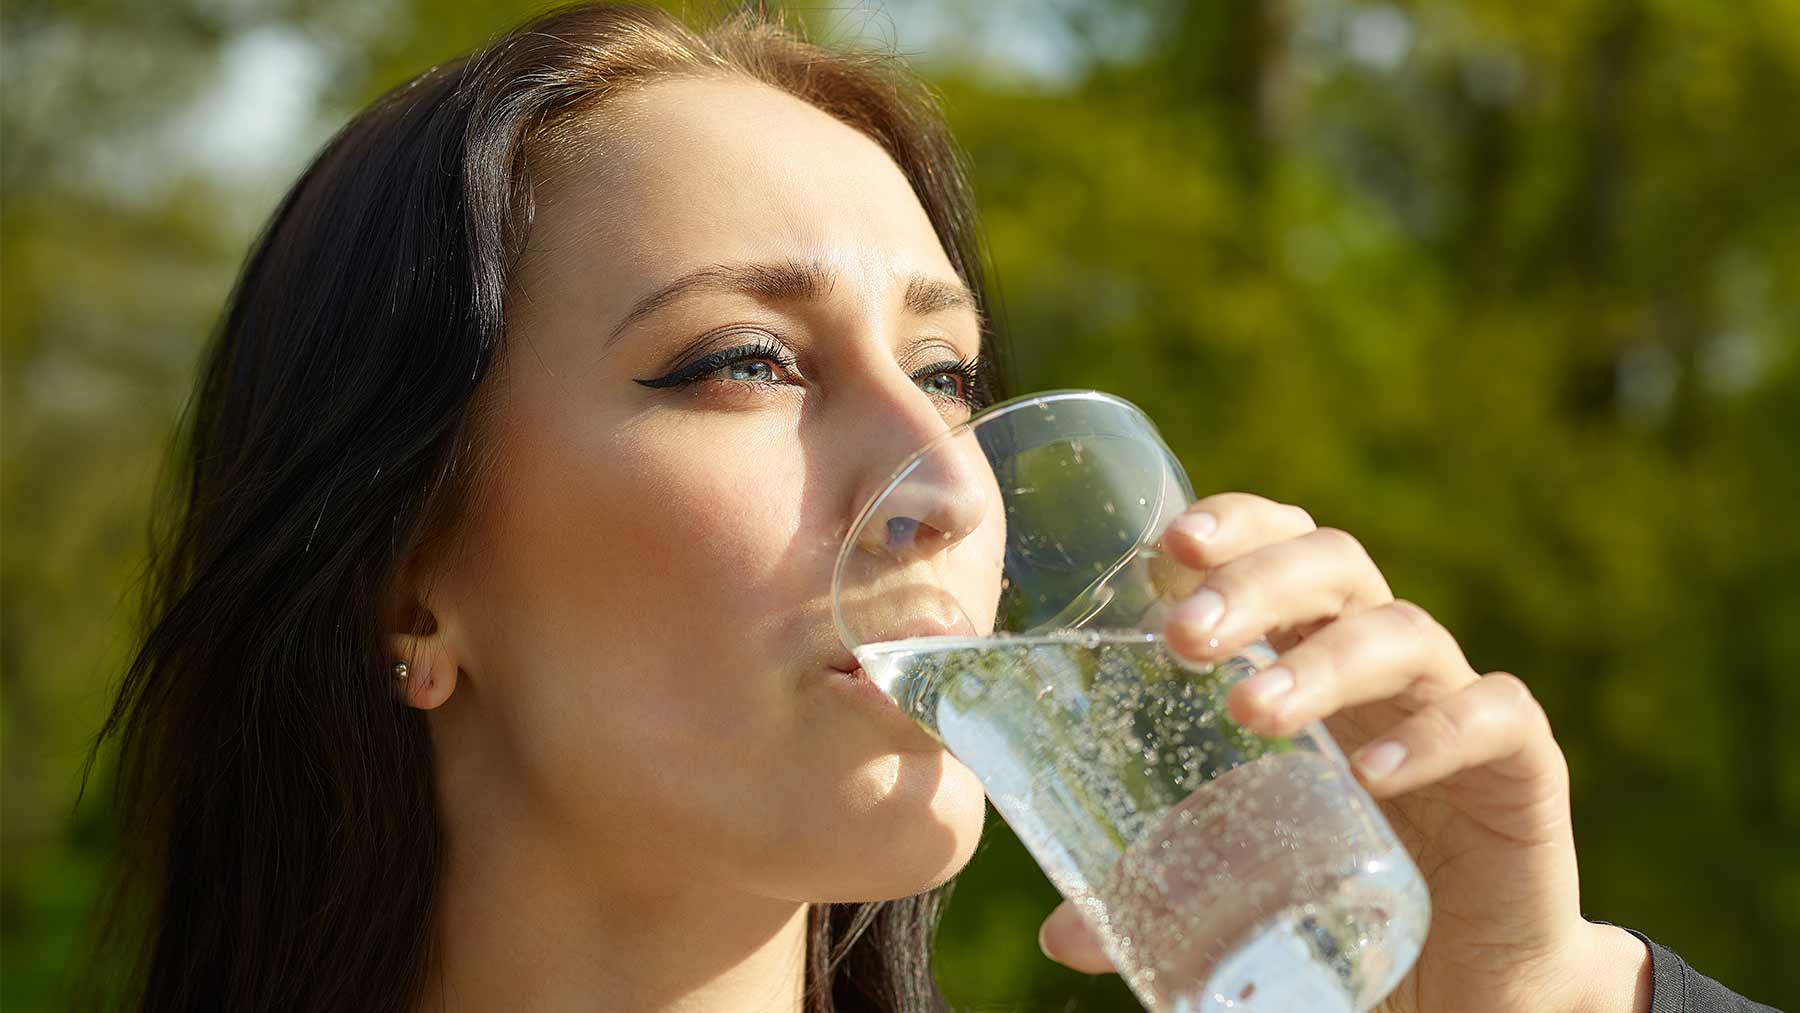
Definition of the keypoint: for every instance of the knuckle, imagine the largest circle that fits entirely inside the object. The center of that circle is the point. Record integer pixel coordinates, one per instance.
(1434, 646)
(1340, 540)
(1557, 766)
(1509, 689)
(1300, 517)
(1316, 662)
(1222, 503)
(1234, 579)
(1511, 693)
(1416, 618)
(1437, 729)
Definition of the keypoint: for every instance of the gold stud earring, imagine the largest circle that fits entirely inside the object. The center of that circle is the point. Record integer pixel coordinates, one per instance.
(400, 670)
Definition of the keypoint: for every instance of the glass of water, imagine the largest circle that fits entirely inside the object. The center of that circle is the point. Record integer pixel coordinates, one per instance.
(1005, 589)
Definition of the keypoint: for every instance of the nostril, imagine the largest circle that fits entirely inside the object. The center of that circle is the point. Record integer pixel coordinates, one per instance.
(900, 530)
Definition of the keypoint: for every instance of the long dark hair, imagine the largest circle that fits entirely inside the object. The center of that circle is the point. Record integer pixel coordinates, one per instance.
(275, 802)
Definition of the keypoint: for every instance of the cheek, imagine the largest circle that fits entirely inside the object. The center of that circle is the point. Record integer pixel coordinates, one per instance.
(674, 533)
(626, 593)
(637, 595)
(716, 512)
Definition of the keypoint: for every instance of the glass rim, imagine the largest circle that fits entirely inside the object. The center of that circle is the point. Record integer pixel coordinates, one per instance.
(998, 409)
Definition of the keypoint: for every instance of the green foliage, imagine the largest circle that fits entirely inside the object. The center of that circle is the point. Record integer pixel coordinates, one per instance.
(1497, 289)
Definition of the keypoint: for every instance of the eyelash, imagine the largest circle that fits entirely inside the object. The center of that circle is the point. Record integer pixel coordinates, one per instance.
(974, 397)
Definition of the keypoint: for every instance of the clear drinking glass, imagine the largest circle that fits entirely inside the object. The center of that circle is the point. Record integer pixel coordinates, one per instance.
(1004, 589)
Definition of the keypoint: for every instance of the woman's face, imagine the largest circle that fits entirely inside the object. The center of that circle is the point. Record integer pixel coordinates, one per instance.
(640, 623)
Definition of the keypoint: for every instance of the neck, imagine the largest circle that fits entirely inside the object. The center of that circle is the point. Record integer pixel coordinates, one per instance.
(515, 932)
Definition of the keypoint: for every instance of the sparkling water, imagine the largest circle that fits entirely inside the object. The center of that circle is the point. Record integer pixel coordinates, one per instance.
(1221, 869)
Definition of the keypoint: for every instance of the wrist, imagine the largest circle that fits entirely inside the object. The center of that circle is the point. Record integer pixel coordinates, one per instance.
(1616, 970)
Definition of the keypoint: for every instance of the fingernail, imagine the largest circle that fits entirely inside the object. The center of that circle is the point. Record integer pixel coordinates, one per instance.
(1266, 686)
(1201, 612)
(1379, 759)
(1199, 526)
(1058, 922)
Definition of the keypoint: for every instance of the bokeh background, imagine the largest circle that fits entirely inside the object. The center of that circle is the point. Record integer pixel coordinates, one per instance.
(1507, 290)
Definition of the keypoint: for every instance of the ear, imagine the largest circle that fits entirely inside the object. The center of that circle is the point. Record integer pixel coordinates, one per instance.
(417, 635)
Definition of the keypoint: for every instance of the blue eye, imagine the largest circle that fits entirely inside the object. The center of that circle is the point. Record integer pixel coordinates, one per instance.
(742, 361)
(965, 385)
(750, 369)
(958, 381)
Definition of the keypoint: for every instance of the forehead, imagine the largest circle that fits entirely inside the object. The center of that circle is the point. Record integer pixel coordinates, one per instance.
(692, 171)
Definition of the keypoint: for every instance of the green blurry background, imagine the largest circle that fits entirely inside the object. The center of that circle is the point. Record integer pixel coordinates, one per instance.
(1507, 290)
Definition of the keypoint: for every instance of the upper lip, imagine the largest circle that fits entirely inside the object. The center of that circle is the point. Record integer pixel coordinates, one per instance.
(917, 625)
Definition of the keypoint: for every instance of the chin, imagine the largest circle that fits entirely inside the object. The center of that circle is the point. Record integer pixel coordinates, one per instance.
(920, 834)
(962, 806)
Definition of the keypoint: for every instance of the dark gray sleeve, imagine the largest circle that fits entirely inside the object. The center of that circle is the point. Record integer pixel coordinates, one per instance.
(1681, 989)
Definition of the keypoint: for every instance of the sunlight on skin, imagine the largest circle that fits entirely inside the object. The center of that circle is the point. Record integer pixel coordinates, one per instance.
(648, 767)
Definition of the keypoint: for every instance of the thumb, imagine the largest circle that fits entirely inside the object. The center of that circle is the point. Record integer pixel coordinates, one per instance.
(1066, 939)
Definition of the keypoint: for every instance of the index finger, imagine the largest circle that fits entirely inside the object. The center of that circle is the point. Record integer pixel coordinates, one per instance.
(1227, 525)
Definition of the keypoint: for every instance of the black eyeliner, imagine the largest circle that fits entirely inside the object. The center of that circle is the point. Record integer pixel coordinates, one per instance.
(970, 370)
(717, 360)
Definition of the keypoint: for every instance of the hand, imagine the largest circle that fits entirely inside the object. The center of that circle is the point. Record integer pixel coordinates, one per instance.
(1463, 765)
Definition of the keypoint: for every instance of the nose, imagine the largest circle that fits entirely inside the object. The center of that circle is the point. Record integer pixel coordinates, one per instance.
(936, 505)
(943, 497)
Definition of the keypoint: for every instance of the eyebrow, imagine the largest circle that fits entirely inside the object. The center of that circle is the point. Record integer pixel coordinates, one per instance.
(790, 281)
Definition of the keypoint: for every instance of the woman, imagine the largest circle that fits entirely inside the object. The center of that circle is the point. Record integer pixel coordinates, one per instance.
(489, 665)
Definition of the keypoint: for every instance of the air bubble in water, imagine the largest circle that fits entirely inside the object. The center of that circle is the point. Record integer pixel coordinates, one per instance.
(1216, 836)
